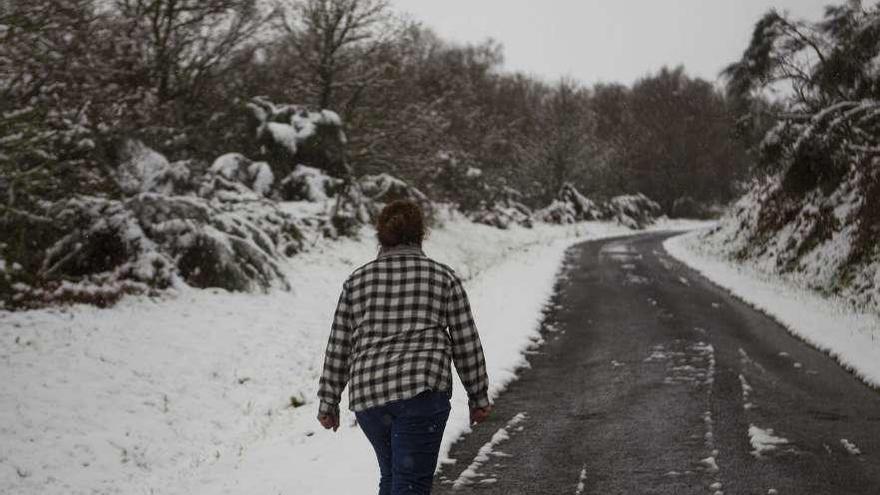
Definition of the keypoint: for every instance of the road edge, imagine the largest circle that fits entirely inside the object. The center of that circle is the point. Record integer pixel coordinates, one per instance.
(849, 336)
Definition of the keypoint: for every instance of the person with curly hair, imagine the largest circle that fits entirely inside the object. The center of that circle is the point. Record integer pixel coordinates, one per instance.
(400, 322)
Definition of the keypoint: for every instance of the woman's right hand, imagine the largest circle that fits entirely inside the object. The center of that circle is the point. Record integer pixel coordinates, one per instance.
(329, 421)
(479, 414)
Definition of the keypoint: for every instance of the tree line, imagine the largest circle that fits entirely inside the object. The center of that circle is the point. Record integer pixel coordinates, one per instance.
(78, 75)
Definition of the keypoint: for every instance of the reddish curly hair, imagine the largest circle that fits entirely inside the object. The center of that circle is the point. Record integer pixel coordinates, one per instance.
(401, 222)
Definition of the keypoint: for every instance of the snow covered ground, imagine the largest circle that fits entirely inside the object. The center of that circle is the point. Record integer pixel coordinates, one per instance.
(850, 336)
(207, 391)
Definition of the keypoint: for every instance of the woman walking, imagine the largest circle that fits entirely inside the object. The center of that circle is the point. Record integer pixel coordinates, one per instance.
(400, 320)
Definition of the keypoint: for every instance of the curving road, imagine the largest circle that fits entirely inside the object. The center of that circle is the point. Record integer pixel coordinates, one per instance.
(652, 380)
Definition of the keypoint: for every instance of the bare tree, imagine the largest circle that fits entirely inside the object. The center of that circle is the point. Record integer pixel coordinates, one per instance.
(186, 42)
(566, 145)
(337, 43)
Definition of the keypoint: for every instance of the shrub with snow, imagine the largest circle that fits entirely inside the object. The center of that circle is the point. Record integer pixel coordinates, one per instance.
(235, 167)
(228, 236)
(290, 135)
(153, 223)
(558, 212)
(456, 180)
(151, 241)
(569, 206)
(635, 211)
(503, 215)
(142, 169)
(584, 208)
(308, 184)
(105, 254)
(307, 147)
(504, 212)
(351, 210)
(381, 189)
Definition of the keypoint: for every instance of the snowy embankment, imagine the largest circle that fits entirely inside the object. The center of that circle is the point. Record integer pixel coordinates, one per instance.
(850, 336)
(208, 391)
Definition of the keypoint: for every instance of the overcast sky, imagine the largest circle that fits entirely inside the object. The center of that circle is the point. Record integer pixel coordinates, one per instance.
(607, 40)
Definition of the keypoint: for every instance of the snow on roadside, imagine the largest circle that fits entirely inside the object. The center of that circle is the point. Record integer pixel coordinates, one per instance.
(468, 476)
(675, 224)
(507, 289)
(850, 336)
(208, 391)
(582, 478)
(850, 447)
(764, 440)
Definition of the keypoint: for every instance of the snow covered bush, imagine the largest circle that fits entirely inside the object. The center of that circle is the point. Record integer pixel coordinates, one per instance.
(154, 223)
(584, 208)
(506, 210)
(150, 241)
(381, 189)
(558, 212)
(456, 180)
(142, 169)
(154, 236)
(308, 184)
(503, 215)
(105, 254)
(351, 210)
(569, 206)
(234, 167)
(307, 147)
(290, 135)
(635, 211)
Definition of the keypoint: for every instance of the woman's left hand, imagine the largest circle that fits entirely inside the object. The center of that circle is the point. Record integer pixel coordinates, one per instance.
(329, 421)
(480, 414)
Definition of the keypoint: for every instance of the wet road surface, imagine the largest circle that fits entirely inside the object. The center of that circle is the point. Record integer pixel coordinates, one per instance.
(651, 380)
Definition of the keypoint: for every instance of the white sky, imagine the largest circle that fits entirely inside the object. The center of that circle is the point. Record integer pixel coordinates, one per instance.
(607, 40)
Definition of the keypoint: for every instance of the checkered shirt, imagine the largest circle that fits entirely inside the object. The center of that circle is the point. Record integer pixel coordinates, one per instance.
(400, 320)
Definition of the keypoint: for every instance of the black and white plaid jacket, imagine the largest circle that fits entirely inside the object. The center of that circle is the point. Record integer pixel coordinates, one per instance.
(400, 320)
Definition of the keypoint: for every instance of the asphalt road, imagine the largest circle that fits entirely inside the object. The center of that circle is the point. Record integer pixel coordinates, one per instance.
(651, 380)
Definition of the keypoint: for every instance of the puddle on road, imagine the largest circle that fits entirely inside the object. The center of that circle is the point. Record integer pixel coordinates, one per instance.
(693, 364)
(619, 251)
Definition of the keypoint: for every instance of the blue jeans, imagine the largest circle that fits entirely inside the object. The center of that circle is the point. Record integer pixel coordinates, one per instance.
(406, 436)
